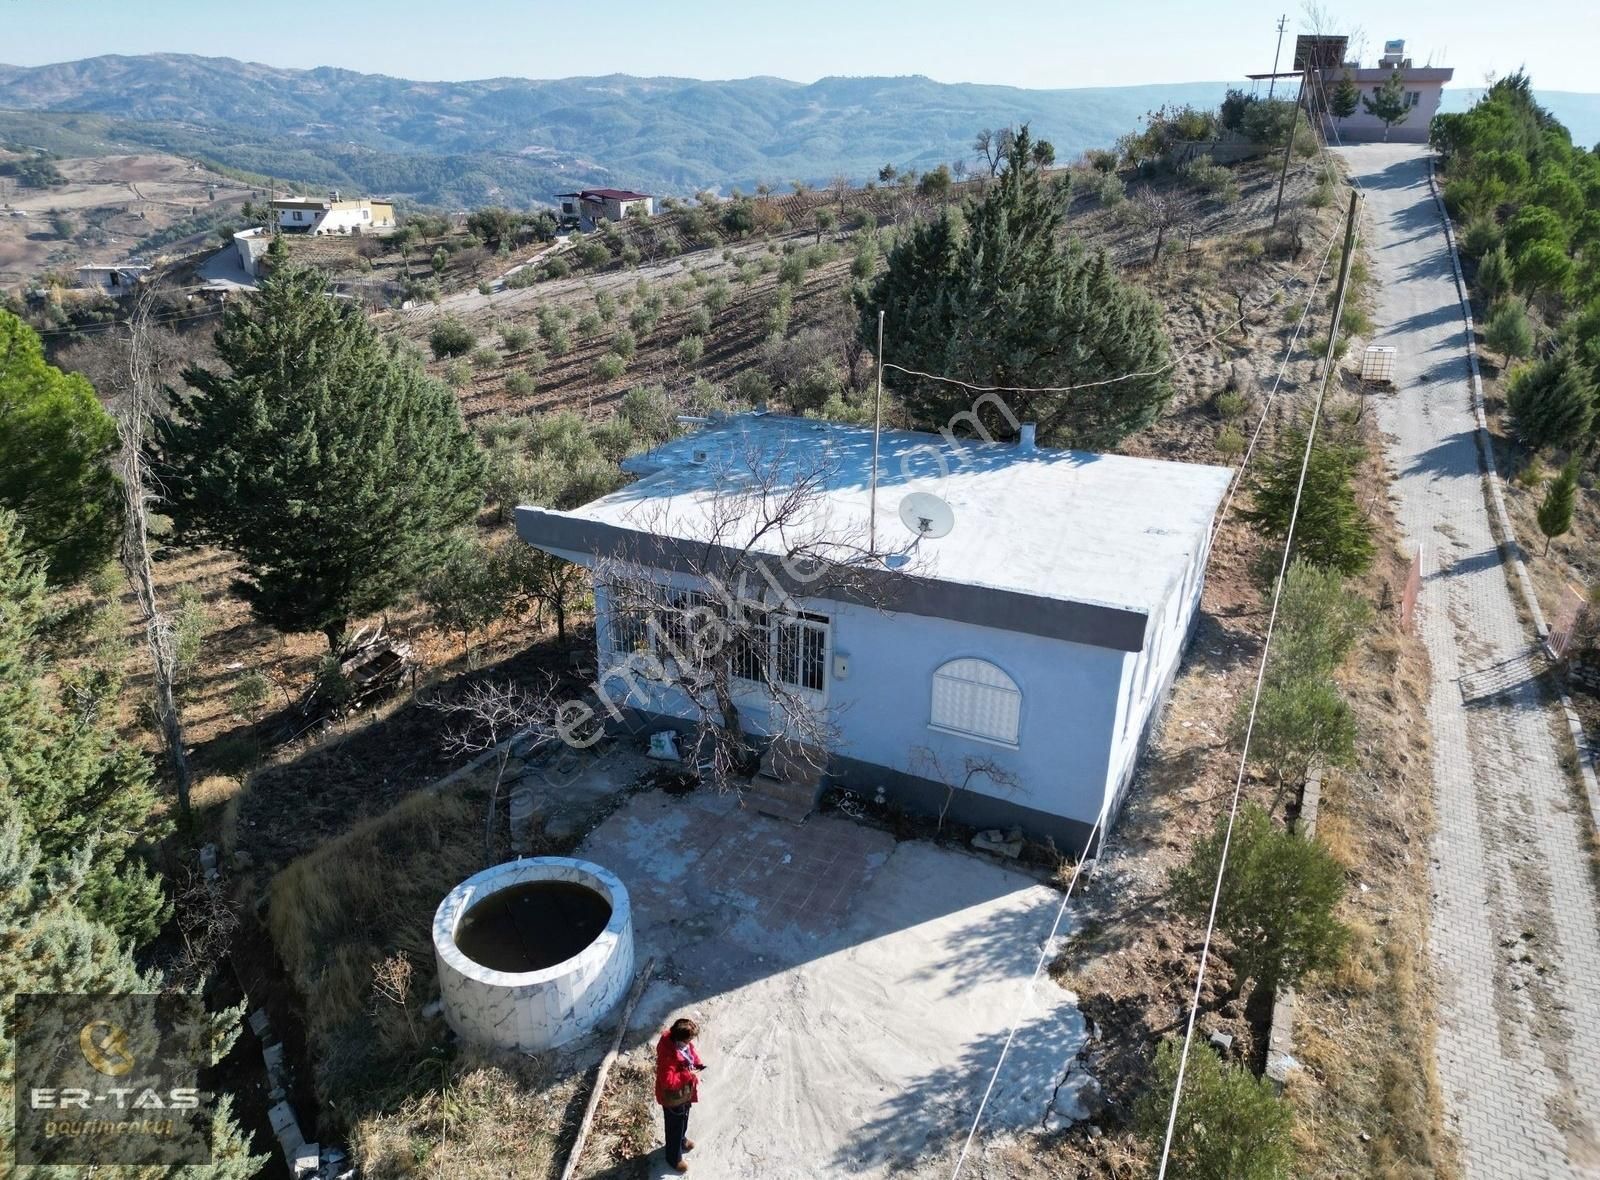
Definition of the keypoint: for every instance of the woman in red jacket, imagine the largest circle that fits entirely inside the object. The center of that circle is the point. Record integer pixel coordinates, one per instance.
(678, 1069)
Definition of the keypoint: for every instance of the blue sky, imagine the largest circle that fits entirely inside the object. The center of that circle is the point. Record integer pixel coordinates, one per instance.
(1062, 44)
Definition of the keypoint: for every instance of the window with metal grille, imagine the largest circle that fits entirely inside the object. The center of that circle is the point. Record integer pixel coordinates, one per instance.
(974, 697)
(800, 648)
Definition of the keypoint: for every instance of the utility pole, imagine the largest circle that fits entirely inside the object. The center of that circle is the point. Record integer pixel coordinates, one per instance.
(1288, 150)
(877, 427)
(1283, 22)
(1330, 358)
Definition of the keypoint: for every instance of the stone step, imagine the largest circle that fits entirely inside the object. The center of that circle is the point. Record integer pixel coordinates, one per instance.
(800, 794)
(794, 813)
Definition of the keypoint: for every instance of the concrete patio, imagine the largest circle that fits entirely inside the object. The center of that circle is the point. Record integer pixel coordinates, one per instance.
(854, 992)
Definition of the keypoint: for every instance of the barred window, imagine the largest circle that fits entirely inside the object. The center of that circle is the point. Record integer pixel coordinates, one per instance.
(974, 697)
(801, 645)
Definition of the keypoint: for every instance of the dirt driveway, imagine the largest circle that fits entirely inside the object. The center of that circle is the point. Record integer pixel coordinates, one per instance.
(853, 992)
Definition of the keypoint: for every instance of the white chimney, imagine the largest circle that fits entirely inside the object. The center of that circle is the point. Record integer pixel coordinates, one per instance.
(1025, 440)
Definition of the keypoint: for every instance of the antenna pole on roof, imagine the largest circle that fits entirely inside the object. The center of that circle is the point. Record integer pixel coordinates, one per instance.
(877, 425)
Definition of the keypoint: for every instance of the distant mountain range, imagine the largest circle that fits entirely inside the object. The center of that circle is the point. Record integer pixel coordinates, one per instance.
(517, 141)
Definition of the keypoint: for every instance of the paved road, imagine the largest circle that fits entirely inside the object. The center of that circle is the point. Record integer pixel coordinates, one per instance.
(1515, 935)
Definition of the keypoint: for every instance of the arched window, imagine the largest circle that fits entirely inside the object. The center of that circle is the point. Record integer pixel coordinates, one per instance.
(974, 697)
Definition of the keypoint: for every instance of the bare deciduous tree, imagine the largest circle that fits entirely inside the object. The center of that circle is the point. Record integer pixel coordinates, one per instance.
(140, 403)
(729, 617)
(487, 717)
(1159, 212)
(927, 763)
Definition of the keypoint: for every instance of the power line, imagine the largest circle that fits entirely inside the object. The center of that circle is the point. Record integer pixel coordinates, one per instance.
(1261, 672)
(1099, 823)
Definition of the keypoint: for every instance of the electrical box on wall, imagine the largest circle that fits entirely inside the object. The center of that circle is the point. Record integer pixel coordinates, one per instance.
(841, 666)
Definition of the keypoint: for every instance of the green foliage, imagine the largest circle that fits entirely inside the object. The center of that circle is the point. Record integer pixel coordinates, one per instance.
(1342, 101)
(1555, 510)
(516, 337)
(1276, 906)
(323, 456)
(1543, 268)
(249, 696)
(547, 459)
(520, 384)
(75, 786)
(1230, 1126)
(624, 344)
(1388, 103)
(609, 367)
(458, 374)
(999, 298)
(690, 350)
(1110, 190)
(477, 585)
(1480, 237)
(1331, 530)
(56, 444)
(451, 337)
(1551, 401)
(1534, 224)
(698, 322)
(1213, 179)
(485, 358)
(1495, 274)
(1508, 331)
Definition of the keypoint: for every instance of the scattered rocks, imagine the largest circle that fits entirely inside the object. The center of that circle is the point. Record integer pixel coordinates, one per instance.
(1007, 844)
(1222, 1041)
(664, 746)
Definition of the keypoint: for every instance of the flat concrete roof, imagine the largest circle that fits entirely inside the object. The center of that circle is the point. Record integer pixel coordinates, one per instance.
(1036, 528)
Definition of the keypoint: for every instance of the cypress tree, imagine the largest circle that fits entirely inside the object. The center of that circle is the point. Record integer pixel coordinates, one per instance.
(323, 456)
(1555, 510)
(55, 440)
(62, 766)
(1331, 532)
(998, 295)
(1551, 401)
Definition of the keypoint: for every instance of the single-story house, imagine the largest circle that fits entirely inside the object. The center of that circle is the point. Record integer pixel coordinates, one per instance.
(1031, 609)
(1422, 88)
(594, 205)
(331, 215)
(110, 279)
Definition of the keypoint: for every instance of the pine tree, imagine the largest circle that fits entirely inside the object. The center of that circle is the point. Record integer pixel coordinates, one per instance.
(1495, 273)
(1551, 401)
(1388, 103)
(1345, 97)
(61, 763)
(1508, 331)
(1555, 510)
(994, 295)
(324, 457)
(55, 446)
(1330, 532)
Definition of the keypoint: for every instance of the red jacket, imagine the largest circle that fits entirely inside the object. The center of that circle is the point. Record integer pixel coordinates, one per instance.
(675, 1068)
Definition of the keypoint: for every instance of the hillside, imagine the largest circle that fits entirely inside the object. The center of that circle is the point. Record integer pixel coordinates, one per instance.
(519, 140)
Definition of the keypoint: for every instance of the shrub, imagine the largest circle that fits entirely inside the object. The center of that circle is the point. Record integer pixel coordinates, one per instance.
(1551, 401)
(189, 623)
(450, 337)
(643, 319)
(1110, 190)
(1322, 195)
(1230, 1126)
(556, 338)
(1555, 510)
(589, 324)
(1495, 273)
(1301, 722)
(1543, 268)
(249, 695)
(698, 322)
(484, 358)
(1213, 179)
(1230, 404)
(520, 384)
(1508, 331)
(624, 344)
(793, 269)
(1230, 443)
(1277, 900)
(629, 255)
(457, 374)
(605, 306)
(1480, 237)
(691, 349)
(1319, 621)
(717, 296)
(594, 253)
(535, 361)
(556, 268)
(609, 367)
(516, 337)
(649, 413)
(1331, 531)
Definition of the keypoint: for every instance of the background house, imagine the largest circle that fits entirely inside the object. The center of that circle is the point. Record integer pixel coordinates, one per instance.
(1042, 632)
(113, 280)
(331, 215)
(594, 205)
(1423, 87)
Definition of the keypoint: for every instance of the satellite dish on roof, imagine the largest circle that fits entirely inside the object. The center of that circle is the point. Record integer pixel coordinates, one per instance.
(927, 515)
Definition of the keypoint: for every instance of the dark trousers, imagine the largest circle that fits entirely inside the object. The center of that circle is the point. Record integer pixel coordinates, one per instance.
(677, 1118)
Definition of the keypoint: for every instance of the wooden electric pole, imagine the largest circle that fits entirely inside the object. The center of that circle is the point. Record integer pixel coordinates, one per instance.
(1288, 149)
(1330, 358)
(1283, 22)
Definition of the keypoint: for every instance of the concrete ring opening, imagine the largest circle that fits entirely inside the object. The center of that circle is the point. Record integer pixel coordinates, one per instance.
(533, 953)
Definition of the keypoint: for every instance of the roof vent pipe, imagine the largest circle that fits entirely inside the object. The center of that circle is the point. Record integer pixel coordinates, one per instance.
(1025, 440)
